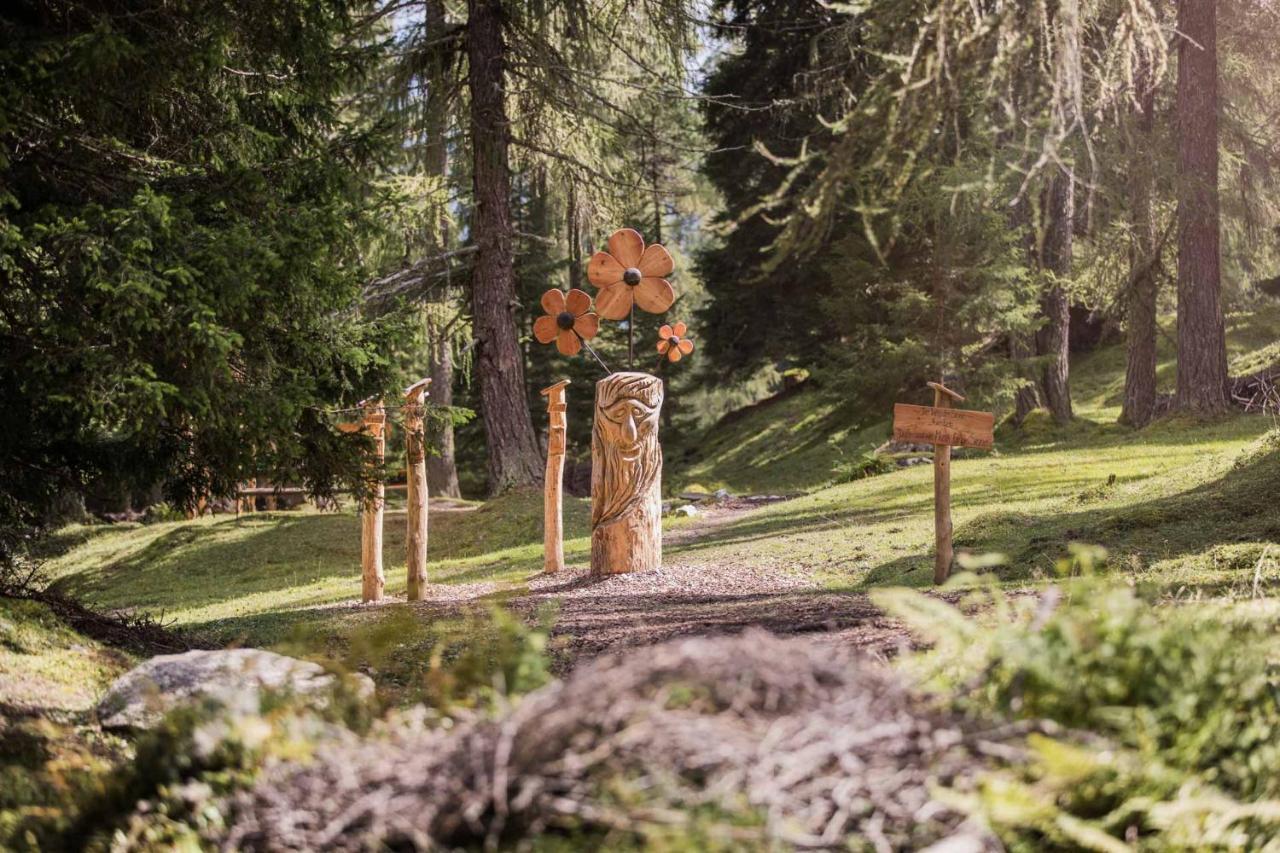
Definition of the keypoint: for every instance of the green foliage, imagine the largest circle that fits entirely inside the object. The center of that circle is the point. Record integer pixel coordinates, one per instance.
(1179, 703)
(181, 207)
(162, 512)
(868, 464)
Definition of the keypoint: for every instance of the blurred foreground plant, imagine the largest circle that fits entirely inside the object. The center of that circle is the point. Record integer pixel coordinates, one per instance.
(1172, 723)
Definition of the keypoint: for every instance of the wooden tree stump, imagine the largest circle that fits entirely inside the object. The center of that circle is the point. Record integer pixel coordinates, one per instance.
(416, 497)
(373, 581)
(553, 483)
(626, 475)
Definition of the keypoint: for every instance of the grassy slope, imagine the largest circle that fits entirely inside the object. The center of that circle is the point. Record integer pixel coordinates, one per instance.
(1190, 503)
(1185, 502)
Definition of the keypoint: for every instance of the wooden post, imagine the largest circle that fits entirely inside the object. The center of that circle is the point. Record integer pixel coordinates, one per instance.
(553, 483)
(944, 552)
(626, 475)
(373, 581)
(416, 497)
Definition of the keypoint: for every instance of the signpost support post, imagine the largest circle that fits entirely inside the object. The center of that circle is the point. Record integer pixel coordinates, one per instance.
(944, 427)
(943, 550)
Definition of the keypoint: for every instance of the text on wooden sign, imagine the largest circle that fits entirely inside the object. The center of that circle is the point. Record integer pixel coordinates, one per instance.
(955, 427)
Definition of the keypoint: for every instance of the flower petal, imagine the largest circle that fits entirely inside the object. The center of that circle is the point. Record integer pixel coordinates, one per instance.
(627, 246)
(586, 326)
(656, 261)
(614, 302)
(674, 354)
(553, 301)
(664, 345)
(545, 329)
(685, 346)
(567, 342)
(654, 295)
(680, 329)
(665, 332)
(603, 269)
(578, 303)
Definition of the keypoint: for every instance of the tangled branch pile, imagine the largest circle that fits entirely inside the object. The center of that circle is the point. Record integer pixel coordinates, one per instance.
(810, 744)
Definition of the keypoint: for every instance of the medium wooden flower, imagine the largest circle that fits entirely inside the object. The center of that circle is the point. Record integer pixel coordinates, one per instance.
(628, 273)
(568, 321)
(672, 342)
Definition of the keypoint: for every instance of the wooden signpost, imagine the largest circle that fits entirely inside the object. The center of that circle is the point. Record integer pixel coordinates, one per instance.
(373, 581)
(416, 495)
(553, 483)
(944, 428)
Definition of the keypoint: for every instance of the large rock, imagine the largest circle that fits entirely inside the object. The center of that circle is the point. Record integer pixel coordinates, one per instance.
(233, 677)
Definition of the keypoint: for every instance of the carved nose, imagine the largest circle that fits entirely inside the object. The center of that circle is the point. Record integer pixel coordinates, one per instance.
(629, 429)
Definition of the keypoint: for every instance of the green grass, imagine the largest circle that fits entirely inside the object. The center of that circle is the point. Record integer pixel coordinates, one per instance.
(265, 576)
(47, 667)
(786, 444)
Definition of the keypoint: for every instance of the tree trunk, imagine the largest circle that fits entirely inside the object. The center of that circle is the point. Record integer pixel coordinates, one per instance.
(442, 468)
(1202, 352)
(1138, 407)
(514, 458)
(574, 230)
(1052, 340)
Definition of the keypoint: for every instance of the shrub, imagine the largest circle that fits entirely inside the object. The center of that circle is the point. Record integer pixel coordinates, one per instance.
(1179, 706)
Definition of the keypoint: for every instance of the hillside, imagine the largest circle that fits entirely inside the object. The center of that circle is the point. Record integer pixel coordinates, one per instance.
(798, 440)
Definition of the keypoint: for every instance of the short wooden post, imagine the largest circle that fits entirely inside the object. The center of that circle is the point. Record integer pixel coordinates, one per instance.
(373, 581)
(553, 483)
(626, 475)
(416, 497)
(944, 552)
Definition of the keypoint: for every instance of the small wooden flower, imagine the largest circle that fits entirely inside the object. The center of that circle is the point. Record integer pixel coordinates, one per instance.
(672, 342)
(568, 321)
(628, 273)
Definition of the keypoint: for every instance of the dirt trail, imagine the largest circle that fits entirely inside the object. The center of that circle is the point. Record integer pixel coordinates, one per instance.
(687, 596)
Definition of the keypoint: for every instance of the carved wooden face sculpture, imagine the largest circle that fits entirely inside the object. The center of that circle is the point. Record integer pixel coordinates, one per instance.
(624, 442)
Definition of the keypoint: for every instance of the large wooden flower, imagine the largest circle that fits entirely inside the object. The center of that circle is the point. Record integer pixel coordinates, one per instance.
(628, 273)
(568, 320)
(672, 342)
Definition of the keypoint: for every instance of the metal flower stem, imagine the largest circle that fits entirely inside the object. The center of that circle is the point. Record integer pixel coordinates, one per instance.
(631, 339)
(595, 355)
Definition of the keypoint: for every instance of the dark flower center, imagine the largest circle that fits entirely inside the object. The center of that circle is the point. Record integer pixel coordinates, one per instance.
(675, 339)
(631, 276)
(564, 320)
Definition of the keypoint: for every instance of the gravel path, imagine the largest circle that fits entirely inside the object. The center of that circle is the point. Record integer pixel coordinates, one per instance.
(686, 597)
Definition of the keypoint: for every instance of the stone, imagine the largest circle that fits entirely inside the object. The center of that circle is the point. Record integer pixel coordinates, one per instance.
(235, 678)
(688, 511)
(722, 495)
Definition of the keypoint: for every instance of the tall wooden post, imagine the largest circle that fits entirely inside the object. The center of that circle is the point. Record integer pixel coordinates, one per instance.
(942, 399)
(416, 479)
(373, 581)
(553, 483)
(626, 475)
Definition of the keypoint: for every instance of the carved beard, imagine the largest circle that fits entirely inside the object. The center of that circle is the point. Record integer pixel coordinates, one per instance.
(625, 474)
